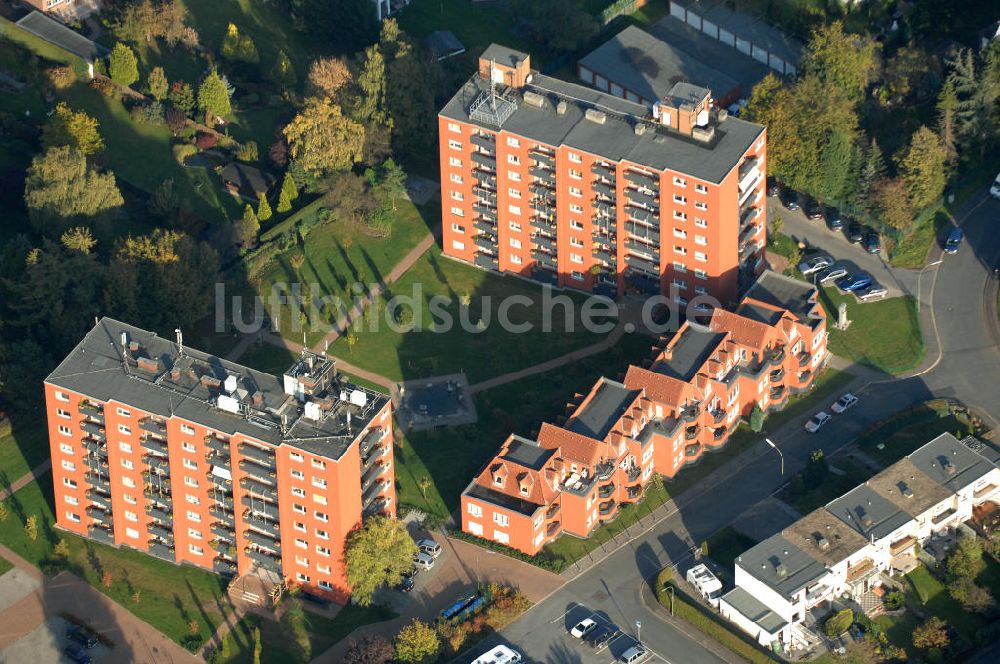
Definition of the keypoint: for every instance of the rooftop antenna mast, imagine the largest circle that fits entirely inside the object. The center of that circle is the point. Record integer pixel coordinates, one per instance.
(493, 85)
(180, 342)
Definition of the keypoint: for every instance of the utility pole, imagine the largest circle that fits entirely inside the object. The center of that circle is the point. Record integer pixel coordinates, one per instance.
(780, 455)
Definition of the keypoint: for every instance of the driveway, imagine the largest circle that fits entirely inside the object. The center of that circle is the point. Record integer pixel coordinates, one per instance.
(815, 233)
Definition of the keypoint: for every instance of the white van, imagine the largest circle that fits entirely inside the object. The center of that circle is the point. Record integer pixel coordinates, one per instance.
(499, 655)
(423, 561)
(430, 547)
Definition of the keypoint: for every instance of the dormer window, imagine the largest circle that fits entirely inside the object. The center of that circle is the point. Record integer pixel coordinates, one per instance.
(524, 489)
(498, 479)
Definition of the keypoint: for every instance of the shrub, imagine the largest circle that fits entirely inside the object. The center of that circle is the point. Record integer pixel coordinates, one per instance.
(184, 150)
(539, 560)
(663, 578)
(176, 120)
(105, 87)
(205, 140)
(894, 601)
(247, 151)
(838, 623)
(61, 77)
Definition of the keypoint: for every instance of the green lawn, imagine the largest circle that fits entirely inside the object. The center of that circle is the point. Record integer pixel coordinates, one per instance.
(23, 446)
(5, 566)
(476, 24)
(937, 601)
(278, 645)
(41, 47)
(833, 486)
(911, 251)
(883, 335)
(725, 544)
(481, 354)
(170, 596)
(906, 431)
(338, 256)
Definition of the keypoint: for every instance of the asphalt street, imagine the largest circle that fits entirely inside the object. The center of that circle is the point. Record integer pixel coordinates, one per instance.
(958, 310)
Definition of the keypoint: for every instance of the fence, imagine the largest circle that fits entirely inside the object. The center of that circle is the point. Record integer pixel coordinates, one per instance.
(620, 8)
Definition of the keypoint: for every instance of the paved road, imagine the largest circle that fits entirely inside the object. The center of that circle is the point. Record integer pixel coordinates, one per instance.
(958, 308)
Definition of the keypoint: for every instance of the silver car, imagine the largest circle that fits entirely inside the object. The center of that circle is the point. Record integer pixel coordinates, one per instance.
(832, 273)
(815, 264)
(873, 292)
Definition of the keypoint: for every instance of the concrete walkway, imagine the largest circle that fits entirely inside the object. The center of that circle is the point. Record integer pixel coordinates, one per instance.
(27, 478)
(132, 639)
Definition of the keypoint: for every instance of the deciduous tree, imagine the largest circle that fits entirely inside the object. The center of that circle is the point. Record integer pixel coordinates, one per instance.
(322, 140)
(922, 168)
(156, 83)
(417, 643)
(369, 650)
(931, 634)
(328, 76)
(213, 95)
(78, 238)
(73, 128)
(122, 65)
(844, 60)
(283, 71)
(61, 188)
(892, 203)
(377, 554)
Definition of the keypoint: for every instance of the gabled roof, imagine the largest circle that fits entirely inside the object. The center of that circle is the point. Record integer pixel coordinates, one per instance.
(520, 462)
(950, 463)
(745, 331)
(574, 447)
(660, 388)
(781, 565)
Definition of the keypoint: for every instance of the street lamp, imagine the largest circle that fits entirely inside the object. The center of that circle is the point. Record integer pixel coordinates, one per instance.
(780, 455)
(920, 276)
(638, 631)
(671, 589)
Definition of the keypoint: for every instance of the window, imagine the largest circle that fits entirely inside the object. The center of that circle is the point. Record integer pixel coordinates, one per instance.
(701, 290)
(302, 561)
(62, 396)
(700, 223)
(680, 250)
(194, 534)
(700, 239)
(574, 207)
(454, 145)
(701, 274)
(62, 413)
(64, 430)
(575, 158)
(458, 228)
(701, 189)
(575, 242)
(301, 543)
(127, 464)
(189, 430)
(68, 465)
(298, 492)
(320, 516)
(456, 178)
(322, 534)
(196, 550)
(131, 516)
(193, 516)
(302, 578)
(680, 216)
(501, 536)
(192, 499)
(575, 225)
(192, 465)
(457, 246)
(67, 482)
(301, 527)
(514, 242)
(319, 482)
(524, 489)
(700, 256)
(575, 174)
(513, 176)
(680, 284)
(514, 209)
(513, 159)
(325, 569)
(132, 532)
(500, 519)
(681, 233)
(72, 500)
(680, 200)
(474, 510)
(188, 447)
(454, 127)
(514, 193)
(701, 205)
(128, 482)
(455, 161)
(298, 474)
(680, 182)
(680, 267)
(513, 142)
(576, 276)
(575, 191)
(514, 226)
(72, 516)
(191, 482)
(323, 551)
(457, 211)
(66, 448)
(298, 508)
(124, 430)
(576, 258)
(456, 195)
(123, 412)
(130, 499)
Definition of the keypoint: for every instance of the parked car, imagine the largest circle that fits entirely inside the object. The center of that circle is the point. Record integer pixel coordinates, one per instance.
(582, 628)
(81, 635)
(430, 547)
(855, 232)
(790, 199)
(813, 209)
(77, 654)
(873, 292)
(873, 243)
(423, 561)
(854, 282)
(773, 187)
(406, 583)
(817, 421)
(995, 189)
(815, 263)
(600, 637)
(843, 403)
(834, 221)
(832, 273)
(499, 655)
(633, 654)
(954, 241)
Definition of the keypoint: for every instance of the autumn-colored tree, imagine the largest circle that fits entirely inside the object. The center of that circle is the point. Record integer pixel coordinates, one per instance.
(297, 261)
(841, 59)
(328, 76)
(922, 168)
(892, 203)
(31, 527)
(236, 46)
(248, 227)
(377, 554)
(156, 83)
(78, 238)
(61, 187)
(61, 549)
(73, 128)
(289, 192)
(213, 95)
(371, 103)
(263, 209)
(417, 643)
(107, 579)
(931, 634)
(321, 139)
(122, 65)
(372, 649)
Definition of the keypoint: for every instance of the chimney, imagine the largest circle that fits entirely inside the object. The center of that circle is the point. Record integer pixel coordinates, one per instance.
(823, 544)
(595, 116)
(561, 108)
(533, 99)
(781, 570)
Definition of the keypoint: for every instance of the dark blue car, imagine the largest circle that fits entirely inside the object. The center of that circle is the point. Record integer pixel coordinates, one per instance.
(954, 241)
(854, 282)
(77, 654)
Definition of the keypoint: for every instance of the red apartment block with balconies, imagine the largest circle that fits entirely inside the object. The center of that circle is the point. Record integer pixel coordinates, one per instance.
(686, 399)
(579, 188)
(197, 460)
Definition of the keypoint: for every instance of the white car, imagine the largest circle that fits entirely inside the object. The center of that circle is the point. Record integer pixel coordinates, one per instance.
(423, 561)
(873, 292)
(843, 403)
(817, 421)
(499, 655)
(430, 547)
(832, 273)
(995, 189)
(583, 628)
(633, 654)
(815, 264)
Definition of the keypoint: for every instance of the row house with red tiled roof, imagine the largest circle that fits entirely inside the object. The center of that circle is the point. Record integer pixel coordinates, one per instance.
(686, 399)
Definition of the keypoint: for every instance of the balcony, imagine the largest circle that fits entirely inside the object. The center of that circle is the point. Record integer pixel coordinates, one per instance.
(861, 571)
(223, 515)
(642, 200)
(265, 560)
(692, 450)
(223, 497)
(484, 160)
(158, 493)
(213, 458)
(486, 241)
(161, 550)
(606, 491)
(223, 530)
(259, 489)
(98, 498)
(803, 358)
(690, 412)
(691, 432)
(98, 480)
(553, 528)
(642, 265)
(263, 541)
(485, 226)
(544, 223)
(777, 394)
(259, 472)
(155, 445)
(101, 533)
(938, 519)
(902, 545)
(160, 530)
(224, 567)
(641, 179)
(216, 444)
(155, 427)
(258, 455)
(99, 513)
(604, 471)
(156, 464)
(484, 194)
(543, 174)
(487, 262)
(607, 508)
(375, 454)
(776, 376)
(539, 152)
(604, 189)
(96, 446)
(485, 141)
(642, 232)
(485, 179)
(91, 409)
(552, 511)
(259, 507)
(633, 473)
(93, 428)
(544, 242)
(380, 504)
(160, 513)
(262, 524)
(97, 465)
(368, 478)
(545, 260)
(374, 491)
(717, 415)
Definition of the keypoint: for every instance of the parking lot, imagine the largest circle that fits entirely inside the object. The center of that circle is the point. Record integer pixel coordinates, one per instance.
(44, 645)
(614, 639)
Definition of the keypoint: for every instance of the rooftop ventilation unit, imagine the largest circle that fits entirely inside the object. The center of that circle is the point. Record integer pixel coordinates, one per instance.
(595, 116)
(781, 570)
(905, 490)
(312, 411)
(228, 403)
(358, 398)
(533, 99)
(230, 384)
(561, 108)
(823, 544)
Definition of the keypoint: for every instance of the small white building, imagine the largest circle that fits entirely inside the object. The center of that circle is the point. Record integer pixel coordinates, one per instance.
(707, 584)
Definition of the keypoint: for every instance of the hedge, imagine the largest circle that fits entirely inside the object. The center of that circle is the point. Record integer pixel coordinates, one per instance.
(556, 566)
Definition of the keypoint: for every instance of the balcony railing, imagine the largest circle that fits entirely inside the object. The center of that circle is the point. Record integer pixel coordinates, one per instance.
(607, 508)
(690, 433)
(263, 541)
(216, 444)
(96, 446)
(270, 476)
(545, 243)
(99, 513)
(155, 427)
(155, 445)
(223, 515)
(486, 261)
(258, 455)
(633, 473)
(101, 534)
(98, 498)
(552, 511)
(259, 489)
(261, 507)
(552, 528)
(224, 567)
(156, 464)
(860, 571)
(604, 470)
(161, 550)
(98, 480)
(692, 450)
(486, 141)
(374, 491)
(484, 160)
(369, 477)
(902, 545)
(803, 358)
(160, 530)
(690, 412)
(252, 520)
(93, 428)
(91, 409)
(776, 376)
(381, 503)
(943, 516)
(543, 223)
(160, 513)
(717, 414)
(606, 491)
(265, 560)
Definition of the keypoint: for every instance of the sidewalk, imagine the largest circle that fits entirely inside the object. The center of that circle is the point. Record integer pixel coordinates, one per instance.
(133, 639)
(27, 478)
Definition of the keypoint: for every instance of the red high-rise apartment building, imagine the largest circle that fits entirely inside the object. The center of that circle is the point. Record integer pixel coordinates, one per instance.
(579, 188)
(197, 460)
(686, 399)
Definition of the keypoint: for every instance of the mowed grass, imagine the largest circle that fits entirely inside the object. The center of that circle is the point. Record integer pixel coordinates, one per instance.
(833, 486)
(23, 446)
(170, 596)
(904, 432)
(5, 566)
(911, 251)
(338, 257)
(883, 335)
(726, 544)
(476, 24)
(476, 341)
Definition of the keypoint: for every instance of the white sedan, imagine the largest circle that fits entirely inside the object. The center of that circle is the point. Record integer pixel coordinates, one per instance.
(582, 628)
(843, 403)
(817, 421)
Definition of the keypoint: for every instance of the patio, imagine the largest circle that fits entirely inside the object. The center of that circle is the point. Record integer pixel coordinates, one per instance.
(427, 403)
